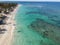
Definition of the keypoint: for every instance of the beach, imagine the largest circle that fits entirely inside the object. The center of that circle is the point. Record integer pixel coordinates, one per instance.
(30, 23)
(6, 38)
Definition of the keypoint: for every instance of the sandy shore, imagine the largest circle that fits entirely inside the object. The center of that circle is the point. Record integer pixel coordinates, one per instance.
(6, 38)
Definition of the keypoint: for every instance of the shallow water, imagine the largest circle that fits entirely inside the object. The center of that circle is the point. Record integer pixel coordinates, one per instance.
(25, 34)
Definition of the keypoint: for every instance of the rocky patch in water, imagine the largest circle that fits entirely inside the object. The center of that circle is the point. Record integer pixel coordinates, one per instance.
(46, 30)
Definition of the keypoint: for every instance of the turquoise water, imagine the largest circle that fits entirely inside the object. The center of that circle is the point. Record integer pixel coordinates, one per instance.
(25, 35)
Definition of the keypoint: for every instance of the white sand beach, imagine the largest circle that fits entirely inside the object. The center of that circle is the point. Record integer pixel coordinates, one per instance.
(6, 38)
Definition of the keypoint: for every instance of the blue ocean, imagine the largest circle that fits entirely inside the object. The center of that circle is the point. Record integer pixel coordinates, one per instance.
(37, 23)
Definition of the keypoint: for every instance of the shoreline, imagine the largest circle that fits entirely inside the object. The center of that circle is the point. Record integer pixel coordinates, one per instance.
(6, 38)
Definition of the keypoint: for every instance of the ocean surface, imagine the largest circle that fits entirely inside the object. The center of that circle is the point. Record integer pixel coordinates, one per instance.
(37, 24)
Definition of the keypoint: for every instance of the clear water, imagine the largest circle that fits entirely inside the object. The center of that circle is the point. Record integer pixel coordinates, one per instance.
(24, 17)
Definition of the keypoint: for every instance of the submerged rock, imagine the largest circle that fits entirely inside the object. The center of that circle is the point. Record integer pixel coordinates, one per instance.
(18, 31)
(46, 30)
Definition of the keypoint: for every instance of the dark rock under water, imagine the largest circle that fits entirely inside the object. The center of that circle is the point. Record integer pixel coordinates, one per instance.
(47, 30)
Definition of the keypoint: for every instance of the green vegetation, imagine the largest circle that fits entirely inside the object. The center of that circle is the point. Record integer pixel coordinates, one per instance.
(8, 5)
(6, 8)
